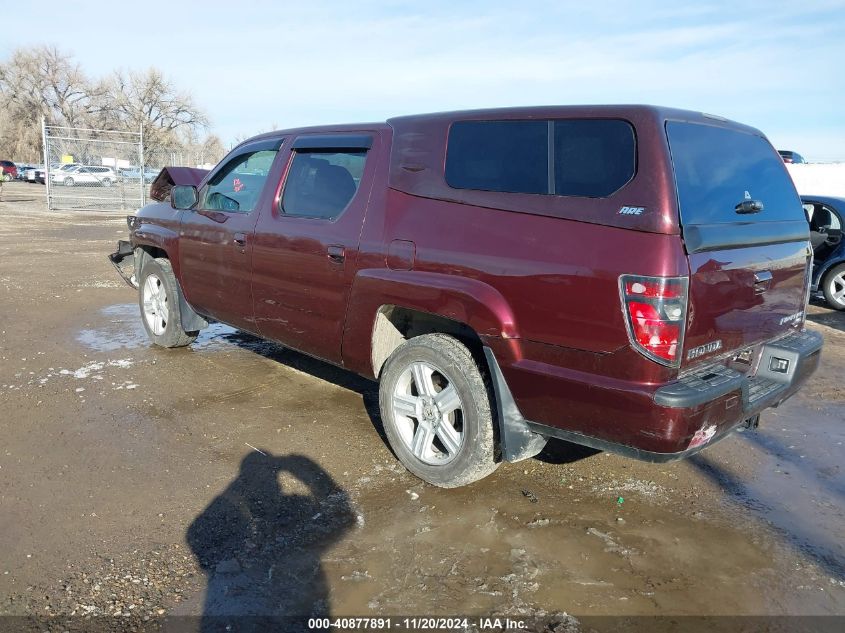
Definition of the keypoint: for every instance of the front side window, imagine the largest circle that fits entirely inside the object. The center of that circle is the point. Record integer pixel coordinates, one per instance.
(320, 184)
(237, 187)
(568, 157)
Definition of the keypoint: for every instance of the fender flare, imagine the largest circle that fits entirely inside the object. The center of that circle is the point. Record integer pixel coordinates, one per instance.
(471, 302)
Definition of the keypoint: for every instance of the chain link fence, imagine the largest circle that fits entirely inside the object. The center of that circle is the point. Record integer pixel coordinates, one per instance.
(93, 169)
(90, 169)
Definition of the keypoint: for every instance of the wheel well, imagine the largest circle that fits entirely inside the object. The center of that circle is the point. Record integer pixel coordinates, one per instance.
(144, 252)
(394, 325)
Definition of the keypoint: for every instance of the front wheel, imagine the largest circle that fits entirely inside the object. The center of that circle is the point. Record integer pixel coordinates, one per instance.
(68, 182)
(106, 182)
(158, 297)
(437, 411)
(834, 287)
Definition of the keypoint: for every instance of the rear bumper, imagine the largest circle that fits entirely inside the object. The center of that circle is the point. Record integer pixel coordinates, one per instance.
(657, 422)
(782, 367)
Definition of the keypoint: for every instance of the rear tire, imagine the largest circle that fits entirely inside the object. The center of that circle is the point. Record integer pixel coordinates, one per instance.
(158, 298)
(437, 411)
(106, 182)
(833, 287)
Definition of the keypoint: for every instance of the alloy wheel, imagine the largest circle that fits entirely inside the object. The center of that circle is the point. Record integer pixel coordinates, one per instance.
(428, 413)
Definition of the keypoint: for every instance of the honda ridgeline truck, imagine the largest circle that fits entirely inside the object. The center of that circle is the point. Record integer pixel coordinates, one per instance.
(629, 278)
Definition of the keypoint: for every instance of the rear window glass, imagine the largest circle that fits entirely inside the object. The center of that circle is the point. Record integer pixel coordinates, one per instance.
(587, 157)
(717, 169)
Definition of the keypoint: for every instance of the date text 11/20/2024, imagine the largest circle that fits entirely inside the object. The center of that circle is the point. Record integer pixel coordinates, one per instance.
(416, 624)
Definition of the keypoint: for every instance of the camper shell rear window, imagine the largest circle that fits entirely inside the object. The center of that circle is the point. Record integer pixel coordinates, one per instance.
(718, 168)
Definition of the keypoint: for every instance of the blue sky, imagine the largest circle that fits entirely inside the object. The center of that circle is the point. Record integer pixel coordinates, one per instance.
(253, 66)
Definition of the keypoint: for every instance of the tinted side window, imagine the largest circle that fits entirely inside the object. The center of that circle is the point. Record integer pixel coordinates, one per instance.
(238, 185)
(510, 156)
(717, 168)
(322, 184)
(593, 157)
(589, 157)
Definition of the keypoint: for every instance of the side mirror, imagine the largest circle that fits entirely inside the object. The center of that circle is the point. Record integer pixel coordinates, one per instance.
(183, 197)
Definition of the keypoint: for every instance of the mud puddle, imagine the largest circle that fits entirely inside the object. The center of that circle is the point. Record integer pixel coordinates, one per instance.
(798, 484)
(122, 329)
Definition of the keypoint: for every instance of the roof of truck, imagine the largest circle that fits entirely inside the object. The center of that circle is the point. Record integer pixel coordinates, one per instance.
(554, 111)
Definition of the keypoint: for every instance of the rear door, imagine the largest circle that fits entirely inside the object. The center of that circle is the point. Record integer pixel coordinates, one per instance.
(306, 246)
(746, 235)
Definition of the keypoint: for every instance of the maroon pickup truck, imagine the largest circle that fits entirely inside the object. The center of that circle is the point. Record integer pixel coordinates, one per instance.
(628, 278)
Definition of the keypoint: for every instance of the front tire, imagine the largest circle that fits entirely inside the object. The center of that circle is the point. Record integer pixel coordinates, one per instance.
(834, 287)
(158, 298)
(68, 182)
(437, 411)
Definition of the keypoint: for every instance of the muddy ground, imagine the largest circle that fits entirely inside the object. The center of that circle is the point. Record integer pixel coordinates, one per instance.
(236, 476)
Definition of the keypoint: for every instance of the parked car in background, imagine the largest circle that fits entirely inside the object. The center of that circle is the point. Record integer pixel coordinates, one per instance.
(585, 273)
(22, 168)
(826, 215)
(8, 170)
(34, 174)
(134, 174)
(84, 175)
(789, 156)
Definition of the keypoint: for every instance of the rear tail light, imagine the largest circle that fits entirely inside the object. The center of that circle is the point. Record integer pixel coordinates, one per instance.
(656, 314)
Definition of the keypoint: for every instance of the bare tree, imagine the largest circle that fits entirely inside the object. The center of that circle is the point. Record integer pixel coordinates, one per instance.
(38, 82)
(149, 101)
(44, 81)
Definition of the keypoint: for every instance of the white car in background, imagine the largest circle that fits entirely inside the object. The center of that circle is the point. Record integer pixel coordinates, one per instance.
(34, 174)
(84, 175)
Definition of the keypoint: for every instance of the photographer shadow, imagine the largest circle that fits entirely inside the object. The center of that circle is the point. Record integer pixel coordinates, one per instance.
(261, 541)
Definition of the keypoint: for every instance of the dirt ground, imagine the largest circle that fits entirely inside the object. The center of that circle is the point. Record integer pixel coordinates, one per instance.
(238, 477)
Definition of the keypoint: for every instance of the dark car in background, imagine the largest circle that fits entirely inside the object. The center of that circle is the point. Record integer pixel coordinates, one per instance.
(789, 156)
(8, 170)
(826, 214)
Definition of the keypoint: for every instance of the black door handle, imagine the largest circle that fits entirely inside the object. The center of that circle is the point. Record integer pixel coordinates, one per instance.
(336, 253)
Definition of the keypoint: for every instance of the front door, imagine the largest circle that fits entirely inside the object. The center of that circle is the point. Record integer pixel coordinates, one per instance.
(306, 246)
(215, 239)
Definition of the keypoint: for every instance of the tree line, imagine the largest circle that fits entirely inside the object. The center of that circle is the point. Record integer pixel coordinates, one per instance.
(44, 81)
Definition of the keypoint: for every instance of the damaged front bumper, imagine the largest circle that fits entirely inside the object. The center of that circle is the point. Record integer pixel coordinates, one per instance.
(124, 262)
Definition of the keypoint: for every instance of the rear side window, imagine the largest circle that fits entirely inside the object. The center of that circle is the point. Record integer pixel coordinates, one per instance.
(572, 157)
(593, 158)
(508, 156)
(717, 169)
(321, 184)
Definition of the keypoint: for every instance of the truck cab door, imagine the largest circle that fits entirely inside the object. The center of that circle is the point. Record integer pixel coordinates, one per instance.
(305, 248)
(215, 238)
